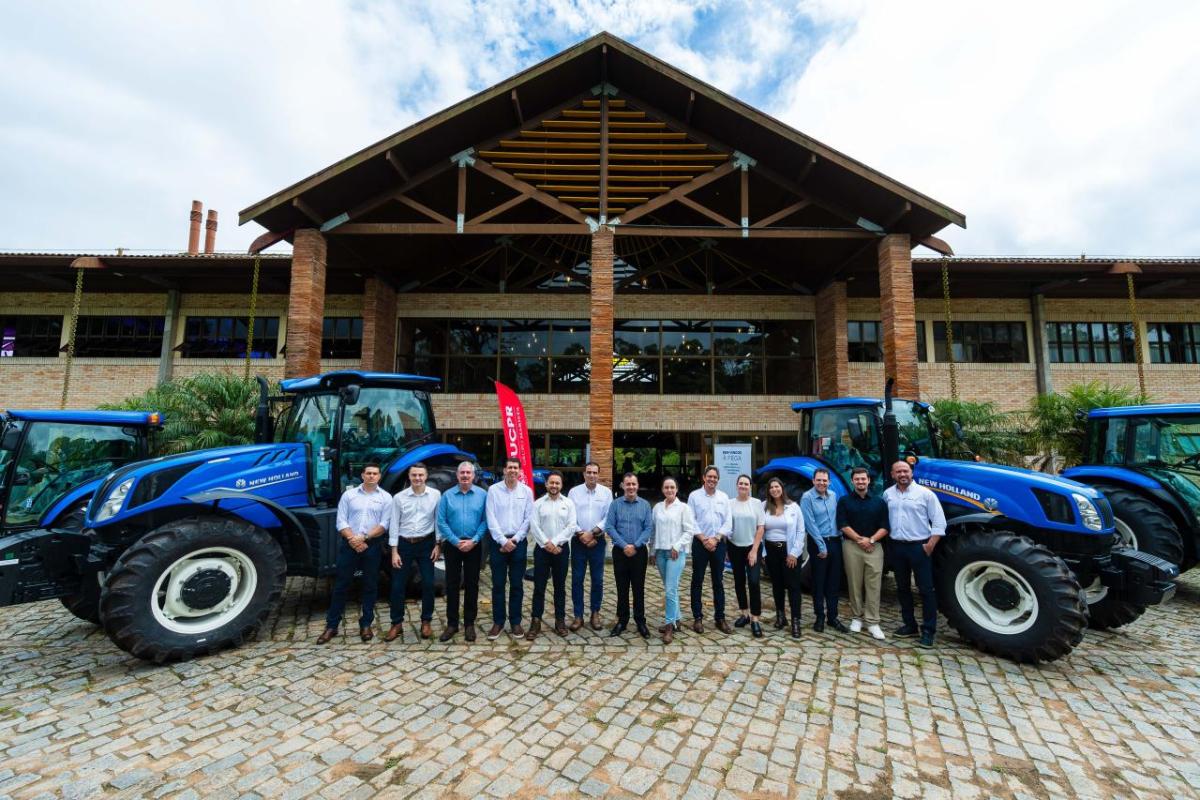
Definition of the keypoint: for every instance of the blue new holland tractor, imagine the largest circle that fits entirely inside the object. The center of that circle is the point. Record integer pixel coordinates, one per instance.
(191, 550)
(1027, 557)
(1146, 461)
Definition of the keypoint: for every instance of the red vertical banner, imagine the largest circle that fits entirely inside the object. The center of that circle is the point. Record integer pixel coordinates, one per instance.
(515, 431)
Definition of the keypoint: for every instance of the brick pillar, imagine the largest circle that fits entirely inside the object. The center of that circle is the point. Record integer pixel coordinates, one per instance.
(379, 326)
(600, 399)
(898, 310)
(166, 357)
(306, 304)
(833, 347)
(1041, 348)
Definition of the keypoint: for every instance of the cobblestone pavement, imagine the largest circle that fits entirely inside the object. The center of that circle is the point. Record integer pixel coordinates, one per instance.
(707, 716)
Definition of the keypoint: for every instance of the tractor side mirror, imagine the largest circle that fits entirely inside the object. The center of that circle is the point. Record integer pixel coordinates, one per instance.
(11, 438)
(350, 394)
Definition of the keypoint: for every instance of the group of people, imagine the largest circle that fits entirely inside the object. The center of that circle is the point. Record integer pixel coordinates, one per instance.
(841, 536)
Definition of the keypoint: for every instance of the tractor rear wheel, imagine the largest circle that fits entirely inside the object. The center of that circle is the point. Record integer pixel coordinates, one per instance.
(1143, 525)
(84, 604)
(1008, 596)
(191, 587)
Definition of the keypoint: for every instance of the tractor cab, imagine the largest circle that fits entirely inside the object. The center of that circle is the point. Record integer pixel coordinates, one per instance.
(848, 433)
(349, 419)
(51, 461)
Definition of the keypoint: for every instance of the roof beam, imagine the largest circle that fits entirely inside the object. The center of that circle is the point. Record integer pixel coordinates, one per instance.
(678, 192)
(782, 213)
(548, 200)
(1161, 287)
(708, 212)
(307, 210)
(396, 165)
(497, 210)
(494, 229)
(736, 232)
(424, 209)
(516, 104)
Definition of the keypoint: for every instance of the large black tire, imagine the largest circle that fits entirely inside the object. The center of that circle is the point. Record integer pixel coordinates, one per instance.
(981, 575)
(442, 478)
(1143, 525)
(84, 604)
(129, 597)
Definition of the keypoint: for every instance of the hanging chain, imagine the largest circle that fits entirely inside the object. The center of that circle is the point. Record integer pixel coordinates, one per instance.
(250, 321)
(949, 327)
(1137, 333)
(71, 338)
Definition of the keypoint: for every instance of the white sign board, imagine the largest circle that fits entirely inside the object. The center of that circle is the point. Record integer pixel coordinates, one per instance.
(732, 460)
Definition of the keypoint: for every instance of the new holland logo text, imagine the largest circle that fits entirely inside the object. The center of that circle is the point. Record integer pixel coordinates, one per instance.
(242, 483)
(951, 488)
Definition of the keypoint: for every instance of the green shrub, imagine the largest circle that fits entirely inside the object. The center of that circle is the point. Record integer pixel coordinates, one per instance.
(991, 434)
(1058, 421)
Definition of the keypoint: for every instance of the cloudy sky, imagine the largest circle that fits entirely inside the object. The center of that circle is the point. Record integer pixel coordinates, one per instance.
(1056, 127)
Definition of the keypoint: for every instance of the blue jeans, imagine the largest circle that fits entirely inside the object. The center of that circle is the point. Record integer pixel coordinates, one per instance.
(544, 565)
(584, 558)
(414, 555)
(909, 560)
(670, 570)
(702, 558)
(507, 568)
(826, 577)
(349, 562)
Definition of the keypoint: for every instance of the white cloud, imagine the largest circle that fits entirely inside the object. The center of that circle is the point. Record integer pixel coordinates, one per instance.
(1055, 128)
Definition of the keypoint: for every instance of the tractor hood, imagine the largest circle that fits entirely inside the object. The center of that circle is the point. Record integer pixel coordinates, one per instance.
(984, 471)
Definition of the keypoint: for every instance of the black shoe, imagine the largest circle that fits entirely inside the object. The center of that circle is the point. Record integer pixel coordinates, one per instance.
(756, 629)
(819, 625)
(795, 629)
(617, 629)
(926, 641)
(741, 621)
(838, 626)
(643, 630)
(906, 630)
(781, 621)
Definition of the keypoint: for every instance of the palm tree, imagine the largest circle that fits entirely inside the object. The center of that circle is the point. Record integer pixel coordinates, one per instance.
(1059, 420)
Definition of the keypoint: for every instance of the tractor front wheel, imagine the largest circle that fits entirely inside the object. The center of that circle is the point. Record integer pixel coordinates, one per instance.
(191, 587)
(84, 604)
(1008, 596)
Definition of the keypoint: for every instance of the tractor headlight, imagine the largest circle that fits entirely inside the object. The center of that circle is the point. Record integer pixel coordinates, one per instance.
(1088, 513)
(115, 500)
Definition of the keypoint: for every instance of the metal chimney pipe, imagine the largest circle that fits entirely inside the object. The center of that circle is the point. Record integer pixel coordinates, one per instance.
(210, 232)
(194, 228)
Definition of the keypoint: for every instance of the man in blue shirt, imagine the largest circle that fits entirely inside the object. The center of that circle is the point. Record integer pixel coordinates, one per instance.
(819, 506)
(630, 525)
(461, 524)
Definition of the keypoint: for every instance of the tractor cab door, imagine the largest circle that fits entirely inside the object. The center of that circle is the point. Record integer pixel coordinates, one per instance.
(314, 422)
(847, 437)
(10, 442)
(380, 424)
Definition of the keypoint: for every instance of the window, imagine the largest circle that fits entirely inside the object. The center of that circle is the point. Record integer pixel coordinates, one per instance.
(117, 336)
(30, 335)
(225, 337)
(1090, 342)
(866, 340)
(1174, 342)
(983, 342)
(341, 337)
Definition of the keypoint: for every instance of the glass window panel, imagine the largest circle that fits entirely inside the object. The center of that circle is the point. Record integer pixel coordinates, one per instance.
(793, 337)
(471, 375)
(636, 375)
(687, 338)
(738, 376)
(432, 367)
(921, 354)
(525, 337)
(791, 376)
(480, 445)
(473, 337)
(740, 338)
(525, 374)
(570, 375)
(687, 375)
(570, 337)
(632, 337)
(428, 336)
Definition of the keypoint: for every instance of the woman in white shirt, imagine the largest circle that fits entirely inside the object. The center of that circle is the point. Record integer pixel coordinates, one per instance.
(674, 527)
(786, 553)
(745, 549)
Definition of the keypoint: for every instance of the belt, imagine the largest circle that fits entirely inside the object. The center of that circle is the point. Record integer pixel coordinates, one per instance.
(909, 541)
(595, 535)
(416, 538)
(775, 544)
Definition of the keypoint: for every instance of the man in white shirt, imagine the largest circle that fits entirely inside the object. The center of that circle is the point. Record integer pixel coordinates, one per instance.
(509, 508)
(591, 500)
(551, 528)
(414, 547)
(363, 515)
(714, 522)
(917, 525)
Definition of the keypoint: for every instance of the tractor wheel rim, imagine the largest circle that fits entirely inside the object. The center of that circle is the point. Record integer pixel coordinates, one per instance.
(996, 597)
(1125, 534)
(1096, 592)
(220, 579)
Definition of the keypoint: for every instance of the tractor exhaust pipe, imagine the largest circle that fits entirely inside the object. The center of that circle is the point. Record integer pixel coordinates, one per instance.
(263, 424)
(891, 433)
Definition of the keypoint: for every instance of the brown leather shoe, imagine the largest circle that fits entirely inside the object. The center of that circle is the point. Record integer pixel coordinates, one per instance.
(596, 623)
(426, 630)
(724, 627)
(518, 631)
(668, 634)
(326, 635)
(576, 624)
(469, 633)
(394, 632)
(367, 634)
(560, 627)
(448, 634)
(495, 632)
(535, 627)
(698, 626)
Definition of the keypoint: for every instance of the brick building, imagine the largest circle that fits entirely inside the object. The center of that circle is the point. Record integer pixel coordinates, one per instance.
(605, 202)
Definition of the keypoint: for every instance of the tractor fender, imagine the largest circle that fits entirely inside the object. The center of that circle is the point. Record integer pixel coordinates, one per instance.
(427, 453)
(983, 519)
(293, 528)
(1102, 477)
(77, 496)
(802, 465)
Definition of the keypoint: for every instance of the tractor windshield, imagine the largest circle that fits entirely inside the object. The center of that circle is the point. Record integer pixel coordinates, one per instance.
(845, 437)
(385, 423)
(1168, 447)
(915, 429)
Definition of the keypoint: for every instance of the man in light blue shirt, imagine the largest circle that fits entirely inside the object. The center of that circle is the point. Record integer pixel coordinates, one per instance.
(364, 514)
(714, 522)
(917, 525)
(819, 506)
(461, 525)
(630, 525)
(509, 510)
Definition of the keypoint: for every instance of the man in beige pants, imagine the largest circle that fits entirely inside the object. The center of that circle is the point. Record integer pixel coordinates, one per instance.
(863, 521)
